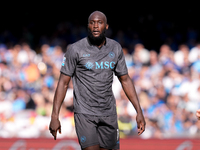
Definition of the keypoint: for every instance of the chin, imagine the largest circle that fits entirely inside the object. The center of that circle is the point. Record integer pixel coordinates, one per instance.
(96, 39)
(96, 36)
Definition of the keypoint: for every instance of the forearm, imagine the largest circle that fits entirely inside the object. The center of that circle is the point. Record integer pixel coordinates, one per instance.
(59, 95)
(130, 92)
(58, 99)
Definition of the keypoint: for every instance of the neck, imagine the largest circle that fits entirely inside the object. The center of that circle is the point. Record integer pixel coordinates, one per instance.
(99, 46)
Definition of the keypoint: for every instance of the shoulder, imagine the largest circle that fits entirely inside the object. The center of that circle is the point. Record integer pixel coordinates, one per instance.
(77, 46)
(113, 43)
(115, 46)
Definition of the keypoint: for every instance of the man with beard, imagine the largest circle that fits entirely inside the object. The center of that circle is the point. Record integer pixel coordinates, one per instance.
(90, 63)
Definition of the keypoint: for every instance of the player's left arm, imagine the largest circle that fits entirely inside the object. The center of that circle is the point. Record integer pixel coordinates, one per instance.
(130, 92)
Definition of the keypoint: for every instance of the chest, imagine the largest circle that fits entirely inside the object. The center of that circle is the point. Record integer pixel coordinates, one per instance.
(95, 60)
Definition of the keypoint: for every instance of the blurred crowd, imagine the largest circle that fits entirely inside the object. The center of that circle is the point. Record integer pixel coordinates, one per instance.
(167, 82)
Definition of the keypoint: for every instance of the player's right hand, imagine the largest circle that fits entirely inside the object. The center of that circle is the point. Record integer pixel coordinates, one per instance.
(140, 123)
(54, 126)
(198, 114)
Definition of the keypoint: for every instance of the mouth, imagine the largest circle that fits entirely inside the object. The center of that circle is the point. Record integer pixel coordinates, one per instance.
(95, 32)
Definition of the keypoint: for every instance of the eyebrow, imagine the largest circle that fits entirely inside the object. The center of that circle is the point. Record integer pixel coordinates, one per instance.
(97, 19)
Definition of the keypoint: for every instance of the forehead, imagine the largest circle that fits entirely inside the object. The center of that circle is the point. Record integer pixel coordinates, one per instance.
(97, 16)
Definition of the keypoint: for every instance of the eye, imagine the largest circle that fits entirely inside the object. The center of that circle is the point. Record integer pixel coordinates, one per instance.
(100, 22)
(91, 22)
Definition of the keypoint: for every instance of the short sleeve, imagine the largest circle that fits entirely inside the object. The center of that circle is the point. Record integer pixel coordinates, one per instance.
(69, 62)
(121, 68)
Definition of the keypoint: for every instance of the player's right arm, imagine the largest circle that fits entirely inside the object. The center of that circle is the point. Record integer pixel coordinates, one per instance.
(57, 102)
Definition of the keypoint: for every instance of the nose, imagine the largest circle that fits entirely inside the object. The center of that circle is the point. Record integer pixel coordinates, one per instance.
(96, 25)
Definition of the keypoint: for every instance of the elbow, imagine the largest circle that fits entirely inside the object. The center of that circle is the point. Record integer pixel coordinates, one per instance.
(64, 81)
(124, 78)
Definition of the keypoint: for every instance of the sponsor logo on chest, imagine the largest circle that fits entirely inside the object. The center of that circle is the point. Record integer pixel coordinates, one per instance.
(100, 65)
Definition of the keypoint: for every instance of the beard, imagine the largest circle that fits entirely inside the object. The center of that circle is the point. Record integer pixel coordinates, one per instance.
(96, 40)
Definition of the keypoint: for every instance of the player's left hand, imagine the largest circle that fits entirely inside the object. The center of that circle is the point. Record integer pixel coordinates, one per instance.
(54, 127)
(140, 123)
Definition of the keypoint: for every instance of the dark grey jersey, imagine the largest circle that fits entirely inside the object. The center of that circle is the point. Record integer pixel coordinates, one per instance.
(92, 70)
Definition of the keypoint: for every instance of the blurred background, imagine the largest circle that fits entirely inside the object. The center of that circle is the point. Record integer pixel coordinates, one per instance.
(161, 44)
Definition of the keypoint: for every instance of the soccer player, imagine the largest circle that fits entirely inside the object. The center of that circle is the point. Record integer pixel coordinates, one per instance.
(198, 114)
(91, 63)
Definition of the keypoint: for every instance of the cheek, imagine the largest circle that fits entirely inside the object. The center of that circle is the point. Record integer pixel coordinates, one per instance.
(102, 28)
(90, 26)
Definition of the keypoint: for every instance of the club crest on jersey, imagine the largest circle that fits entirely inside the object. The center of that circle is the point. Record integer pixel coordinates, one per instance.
(111, 54)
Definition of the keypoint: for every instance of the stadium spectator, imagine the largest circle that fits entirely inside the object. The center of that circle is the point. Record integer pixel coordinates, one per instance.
(198, 114)
(167, 82)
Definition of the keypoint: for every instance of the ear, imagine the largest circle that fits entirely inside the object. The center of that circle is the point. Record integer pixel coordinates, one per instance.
(107, 26)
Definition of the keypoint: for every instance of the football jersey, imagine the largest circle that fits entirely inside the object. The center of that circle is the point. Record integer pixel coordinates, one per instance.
(92, 69)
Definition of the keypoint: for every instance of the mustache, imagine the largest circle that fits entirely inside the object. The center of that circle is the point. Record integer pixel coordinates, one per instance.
(96, 40)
